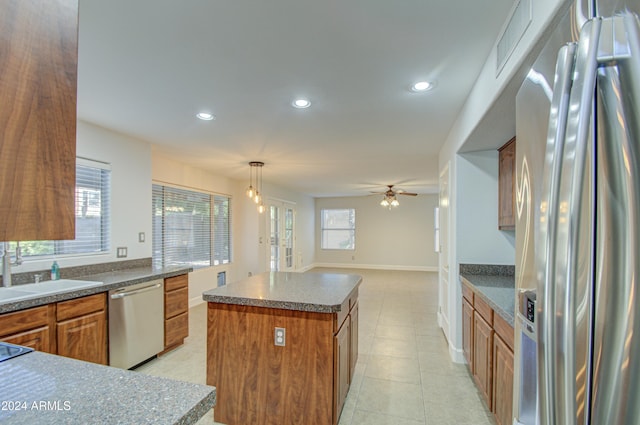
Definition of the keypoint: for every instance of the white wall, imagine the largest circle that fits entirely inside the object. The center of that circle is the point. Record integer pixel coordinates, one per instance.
(130, 161)
(478, 239)
(486, 91)
(401, 238)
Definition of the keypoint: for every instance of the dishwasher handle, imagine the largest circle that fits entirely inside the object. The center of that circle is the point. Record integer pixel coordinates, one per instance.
(136, 291)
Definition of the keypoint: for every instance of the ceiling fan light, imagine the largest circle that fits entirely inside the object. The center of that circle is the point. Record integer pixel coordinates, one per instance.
(384, 202)
(395, 203)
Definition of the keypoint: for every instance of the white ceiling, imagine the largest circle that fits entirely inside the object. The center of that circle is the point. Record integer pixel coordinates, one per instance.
(146, 67)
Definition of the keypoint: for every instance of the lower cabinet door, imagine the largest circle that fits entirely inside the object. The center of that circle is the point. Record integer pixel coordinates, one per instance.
(38, 339)
(483, 356)
(467, 333)
(342, 367)
(84, 338)
(353, 354)
(502, 382)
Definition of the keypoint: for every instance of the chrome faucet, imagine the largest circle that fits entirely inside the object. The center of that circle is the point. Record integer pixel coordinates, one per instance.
(6, 263)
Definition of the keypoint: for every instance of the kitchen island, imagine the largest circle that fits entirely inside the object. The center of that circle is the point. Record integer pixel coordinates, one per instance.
(40, 388)
(282, 347)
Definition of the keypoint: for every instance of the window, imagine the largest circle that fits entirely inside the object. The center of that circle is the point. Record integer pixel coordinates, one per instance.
(93, 191)
(183, 224)
(338, 228)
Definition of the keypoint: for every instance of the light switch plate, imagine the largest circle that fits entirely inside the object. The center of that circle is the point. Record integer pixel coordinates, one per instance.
(280, 337)
(141, 237)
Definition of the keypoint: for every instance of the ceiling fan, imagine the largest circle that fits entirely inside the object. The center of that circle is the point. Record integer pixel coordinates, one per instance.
(390, 200)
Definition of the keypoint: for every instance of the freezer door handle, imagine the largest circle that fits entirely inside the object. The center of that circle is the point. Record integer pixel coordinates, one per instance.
(573, 237)
(547, 228)
(136, 291)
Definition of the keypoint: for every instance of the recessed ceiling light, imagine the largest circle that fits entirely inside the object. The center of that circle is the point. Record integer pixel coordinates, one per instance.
(205, 116)
(422, 86)
(301, 103)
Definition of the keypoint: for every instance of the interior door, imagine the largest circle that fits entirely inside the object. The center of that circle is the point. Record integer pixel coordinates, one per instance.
(281, 224)
(443, 226)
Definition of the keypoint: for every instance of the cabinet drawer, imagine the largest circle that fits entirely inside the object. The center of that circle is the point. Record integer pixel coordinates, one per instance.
(176, 302)
(176, 329)
(483, 309)
(11, 323)
(341, 315)
(81, 306)
(176, 282)
(467, 293)
(504, 330)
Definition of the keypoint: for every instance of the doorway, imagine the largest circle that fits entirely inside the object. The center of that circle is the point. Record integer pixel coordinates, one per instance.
(281, 227)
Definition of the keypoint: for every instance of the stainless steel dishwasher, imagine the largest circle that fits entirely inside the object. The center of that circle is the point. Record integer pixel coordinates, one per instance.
(136, 323)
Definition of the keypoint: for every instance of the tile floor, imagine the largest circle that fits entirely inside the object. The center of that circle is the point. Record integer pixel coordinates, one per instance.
(404, 374)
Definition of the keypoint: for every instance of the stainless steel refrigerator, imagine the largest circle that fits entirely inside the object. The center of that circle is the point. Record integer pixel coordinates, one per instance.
(577, 359)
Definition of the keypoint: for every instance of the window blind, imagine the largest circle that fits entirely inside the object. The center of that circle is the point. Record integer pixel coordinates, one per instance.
(338, 229)
(221, 230)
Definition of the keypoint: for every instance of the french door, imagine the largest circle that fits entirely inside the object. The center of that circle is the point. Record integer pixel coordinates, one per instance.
(281, 227)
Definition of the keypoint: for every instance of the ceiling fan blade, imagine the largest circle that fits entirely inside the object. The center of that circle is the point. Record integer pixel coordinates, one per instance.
(407, 193)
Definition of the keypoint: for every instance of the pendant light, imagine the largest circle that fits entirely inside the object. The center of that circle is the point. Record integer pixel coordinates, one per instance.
(254, 191)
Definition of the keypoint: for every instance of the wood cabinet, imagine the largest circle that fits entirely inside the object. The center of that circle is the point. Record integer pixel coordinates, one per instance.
(38, 119)
(342, 365)
(81, 328)
(488, 347)
(502, 381)
(507, 185)
(483, 356)
(33, 327)
(467, 333)
(176, 311)
(76, 328)
(305, 381)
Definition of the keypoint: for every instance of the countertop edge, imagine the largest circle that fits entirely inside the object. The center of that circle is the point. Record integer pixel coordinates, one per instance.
(114, 283)
(496, 308)
(310, 307)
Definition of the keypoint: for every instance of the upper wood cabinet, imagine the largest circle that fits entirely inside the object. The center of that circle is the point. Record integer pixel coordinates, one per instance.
(39, 45)
(507, 185)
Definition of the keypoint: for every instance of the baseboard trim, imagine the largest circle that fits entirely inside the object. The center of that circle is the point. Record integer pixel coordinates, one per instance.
(195, 301)
(377, 267)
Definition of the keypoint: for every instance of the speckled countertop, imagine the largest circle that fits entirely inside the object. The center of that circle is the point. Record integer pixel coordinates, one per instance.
(497, 290)
(46, 389)
(110, 280)
(315, 292)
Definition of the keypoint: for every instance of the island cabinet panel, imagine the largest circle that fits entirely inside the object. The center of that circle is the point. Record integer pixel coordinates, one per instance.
(353, 344)
(81, 330)
(260, 383)
(32, 328)
(342, 365)
(38, 119)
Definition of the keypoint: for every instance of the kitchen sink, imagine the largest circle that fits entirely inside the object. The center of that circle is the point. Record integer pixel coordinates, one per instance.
(9, 351)
(10, 294)
(61, 285)
(34, 290)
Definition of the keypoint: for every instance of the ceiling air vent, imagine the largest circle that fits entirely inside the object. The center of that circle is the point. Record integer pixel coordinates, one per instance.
(513, 32)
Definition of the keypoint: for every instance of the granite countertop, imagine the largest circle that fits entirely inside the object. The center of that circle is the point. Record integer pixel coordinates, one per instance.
(46, 389)
(496, 290)
(110, 280)
(314, 292)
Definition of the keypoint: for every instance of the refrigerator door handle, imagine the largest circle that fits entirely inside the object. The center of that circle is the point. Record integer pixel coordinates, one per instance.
(547, 229)
(568, 233)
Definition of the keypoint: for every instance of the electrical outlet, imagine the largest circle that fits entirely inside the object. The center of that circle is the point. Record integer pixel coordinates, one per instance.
(280, 337)
(121, 252)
